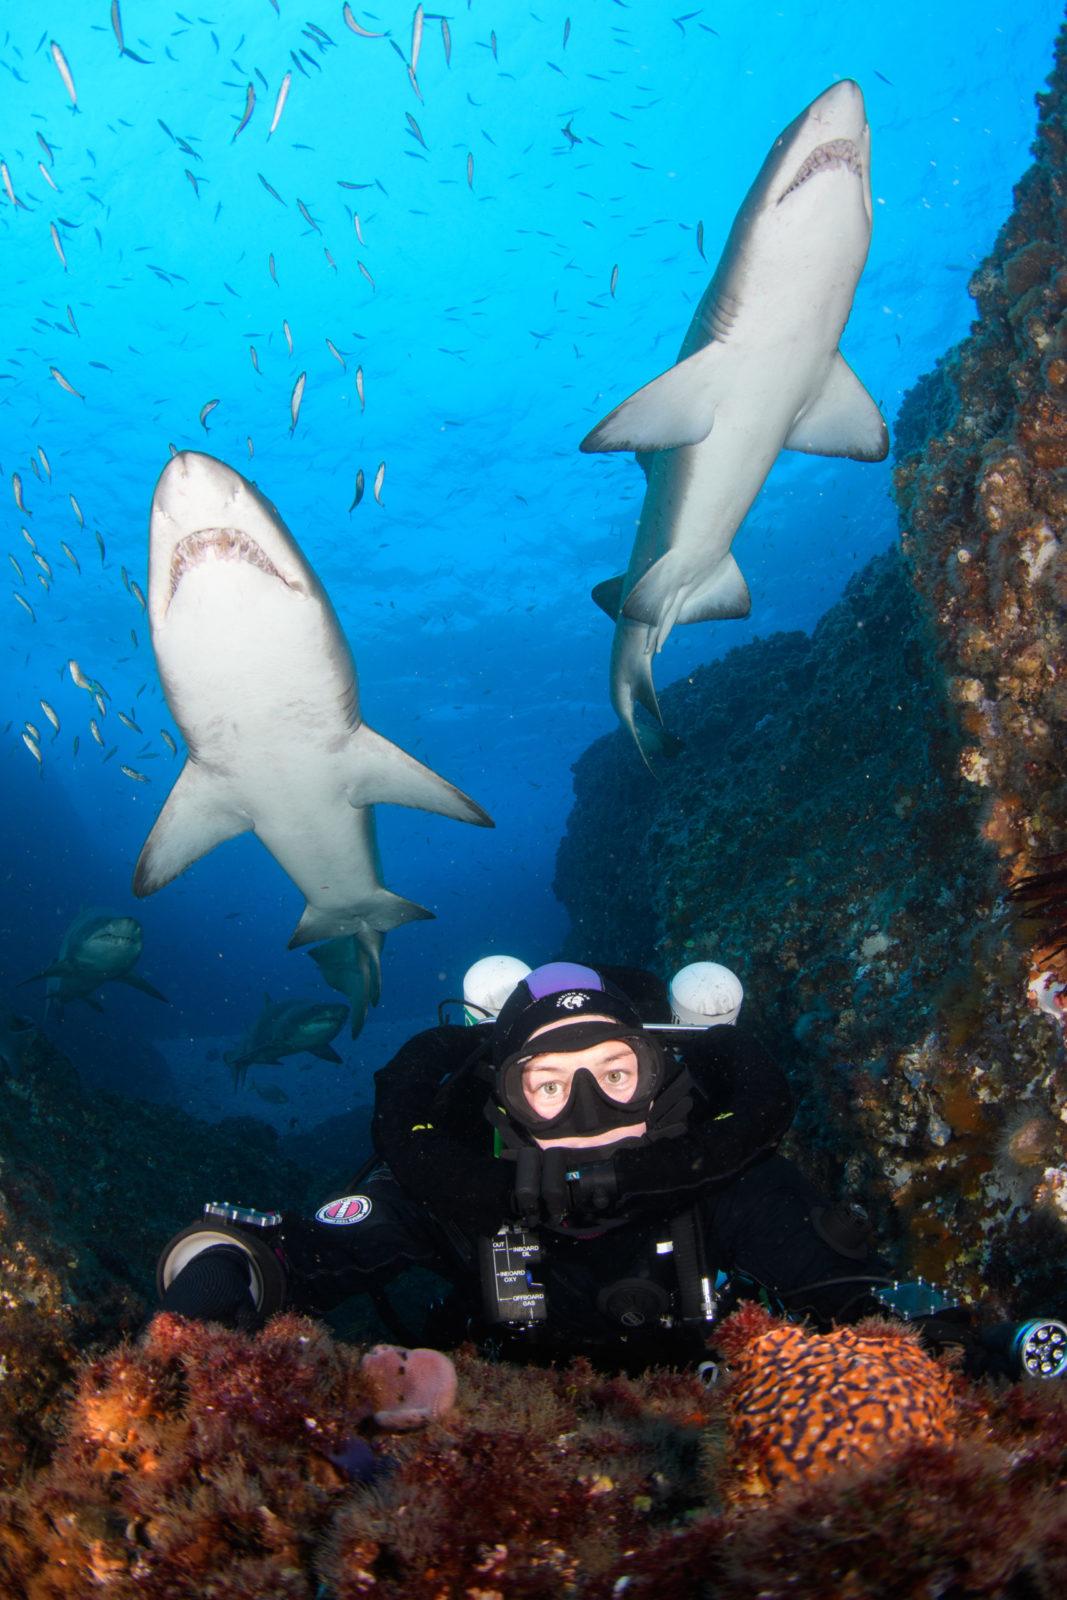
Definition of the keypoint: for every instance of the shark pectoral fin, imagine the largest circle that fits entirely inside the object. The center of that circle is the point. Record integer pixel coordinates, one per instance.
(89, 1001)
(381, 911)
(144, 986)
(194, 819)
(326, 1052)
(608, 595)
(380, 772)
(58, 969)
(726, 596)
(674, 409)
(842, 420)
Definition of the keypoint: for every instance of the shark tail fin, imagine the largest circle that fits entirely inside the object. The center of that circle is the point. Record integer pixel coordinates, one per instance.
(383, 910)
(194, 819)
(654, 743)
(381, 771)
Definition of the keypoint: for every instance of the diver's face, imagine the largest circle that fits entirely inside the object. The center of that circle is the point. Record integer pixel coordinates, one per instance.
(547, 1078)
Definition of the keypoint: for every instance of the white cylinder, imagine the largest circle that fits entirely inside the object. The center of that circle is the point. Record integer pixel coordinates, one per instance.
(705, 994)
(488, 984)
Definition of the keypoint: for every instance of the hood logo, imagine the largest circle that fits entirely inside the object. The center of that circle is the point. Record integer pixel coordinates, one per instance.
(350, 1208)
(572, 1002)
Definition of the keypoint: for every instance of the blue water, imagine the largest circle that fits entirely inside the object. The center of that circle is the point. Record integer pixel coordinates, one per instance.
(489, 343)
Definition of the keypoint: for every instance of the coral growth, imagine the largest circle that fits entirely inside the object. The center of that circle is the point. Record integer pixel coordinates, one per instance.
(203, 1463)
(804, 1404)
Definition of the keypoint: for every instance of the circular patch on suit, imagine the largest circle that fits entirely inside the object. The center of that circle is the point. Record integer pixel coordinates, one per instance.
(350, 1208)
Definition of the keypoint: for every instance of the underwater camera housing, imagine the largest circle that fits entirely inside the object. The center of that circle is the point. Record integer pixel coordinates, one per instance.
(226, 1224)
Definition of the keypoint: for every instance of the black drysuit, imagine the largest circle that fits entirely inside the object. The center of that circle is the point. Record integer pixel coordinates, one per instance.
(620, 1238)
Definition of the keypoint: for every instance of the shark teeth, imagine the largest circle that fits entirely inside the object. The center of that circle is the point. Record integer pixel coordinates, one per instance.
(218, 544)
(834, 153)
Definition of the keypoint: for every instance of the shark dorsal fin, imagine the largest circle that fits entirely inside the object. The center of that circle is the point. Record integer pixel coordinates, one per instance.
(842, 420)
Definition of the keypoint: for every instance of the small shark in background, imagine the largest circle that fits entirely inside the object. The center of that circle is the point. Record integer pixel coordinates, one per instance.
(95, 949)
(759, 372)
(285, 1029)
(353, 966)
(262, 684)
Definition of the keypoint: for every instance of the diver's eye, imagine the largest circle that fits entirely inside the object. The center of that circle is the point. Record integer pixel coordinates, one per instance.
(548, 1091)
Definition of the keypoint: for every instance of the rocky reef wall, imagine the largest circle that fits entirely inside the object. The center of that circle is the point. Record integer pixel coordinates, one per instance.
(850, 809)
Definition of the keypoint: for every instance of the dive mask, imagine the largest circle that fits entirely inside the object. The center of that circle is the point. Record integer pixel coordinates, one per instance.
(585, 1107)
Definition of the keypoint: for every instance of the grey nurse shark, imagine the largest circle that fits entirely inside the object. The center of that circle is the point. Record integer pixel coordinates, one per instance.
(286, 1028)
(759, 371)
(95, 949)
(353, 966)
(261, 682)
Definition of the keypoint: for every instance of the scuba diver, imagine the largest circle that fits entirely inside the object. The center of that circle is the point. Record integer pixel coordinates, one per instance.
(591, 1164)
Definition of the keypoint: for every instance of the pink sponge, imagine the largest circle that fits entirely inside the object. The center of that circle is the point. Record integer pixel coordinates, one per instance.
(413, 1386)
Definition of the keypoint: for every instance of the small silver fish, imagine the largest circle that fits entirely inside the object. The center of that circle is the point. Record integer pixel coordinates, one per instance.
(127, 722)
(48, 178)
(416, 40)
(366, 274)
(279, 104)
(359, 389)
(337, 356)
(416, 130)
(18, 569)
(250, 106)
(272, 268)
(28, 536)
(25, 604)
(65, 384)
(252, 355)
(359, 230)
(138, 595)
(101, 703)
(614, 280)
(700, 240)
(33, 730)
(100, 542)
(95, 731)
(168, 741)
(16, 489)
(295, 400)
(76, 508)
(5, 174)
(34, 749)
(358, 496)
(131, 772)
(288, 336)
(69, 553)
(251, 447)
(44, 463)
(80, 680)
(446, 40)
(354, 25)
(64, 72)
(51, 715)
(58, 243)
(470, 170)
(379, 479)
(205, 412)
(42, 563)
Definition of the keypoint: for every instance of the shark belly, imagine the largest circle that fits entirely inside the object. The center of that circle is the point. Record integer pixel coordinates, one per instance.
(262, 684)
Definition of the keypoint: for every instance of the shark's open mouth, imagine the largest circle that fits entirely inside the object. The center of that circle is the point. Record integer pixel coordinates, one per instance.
(220, 544)
(835, 153)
